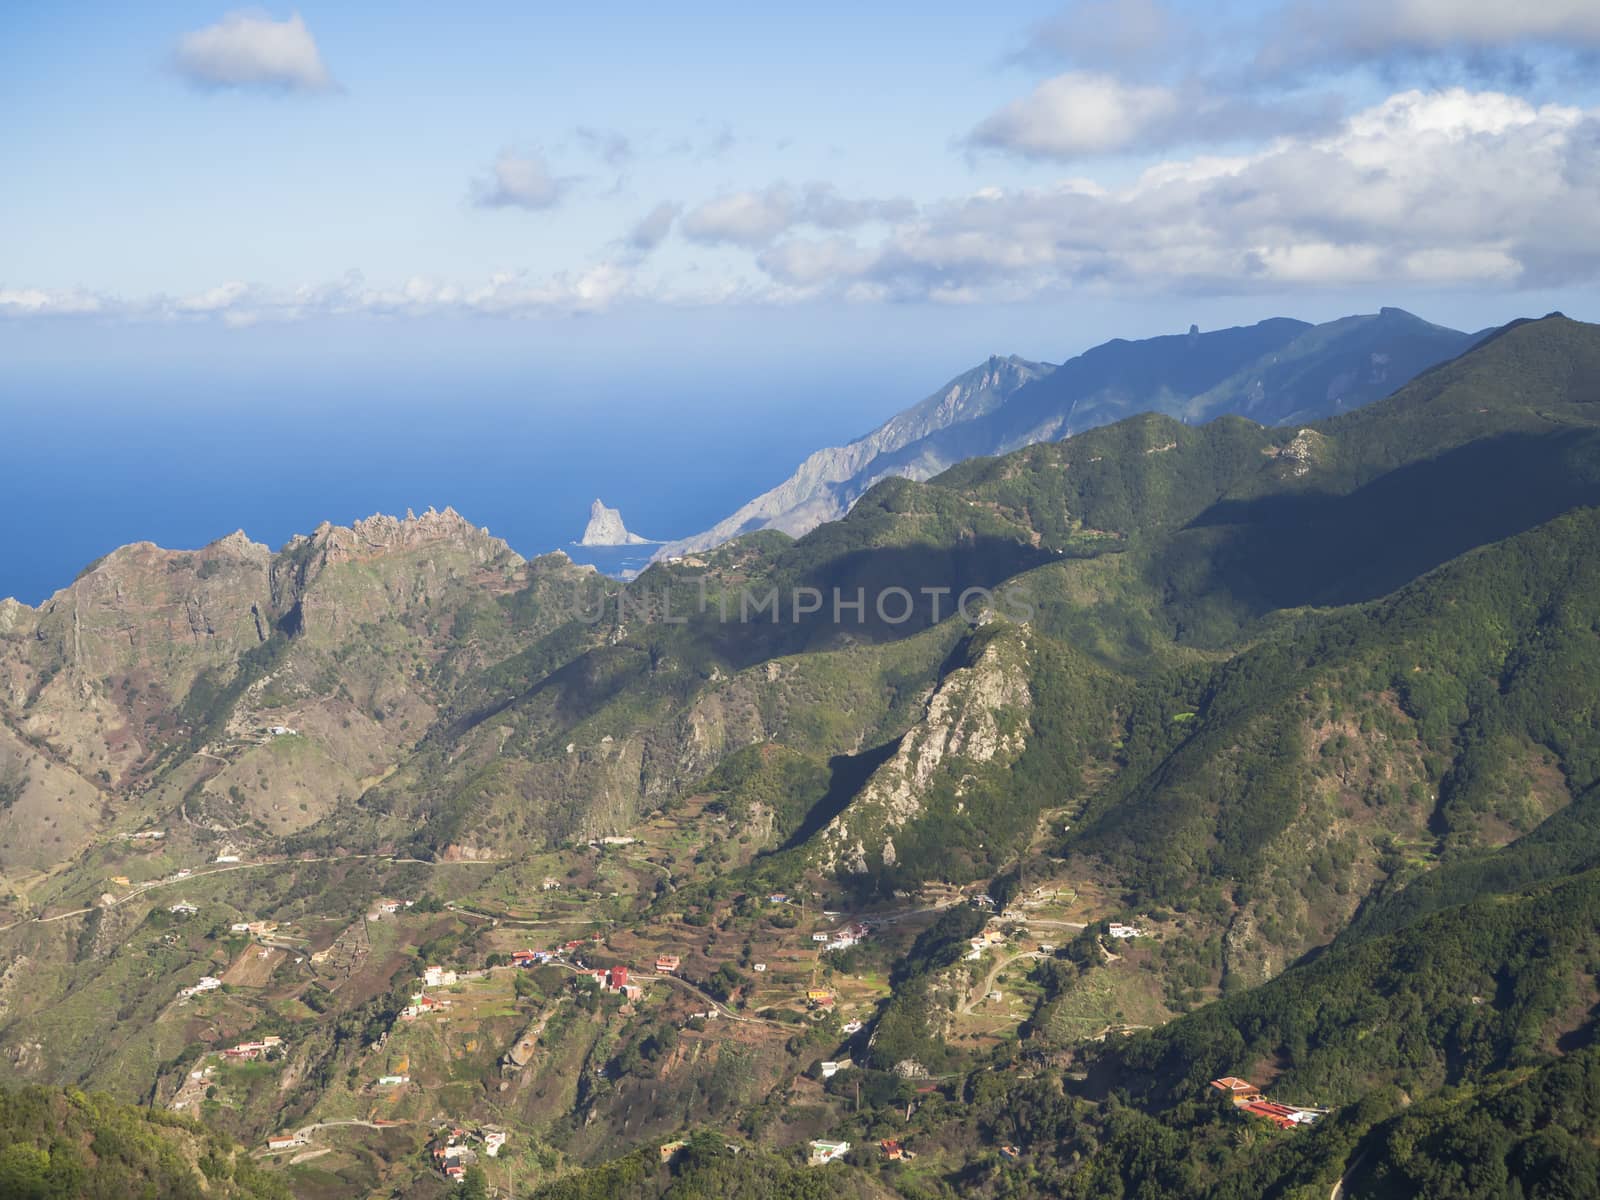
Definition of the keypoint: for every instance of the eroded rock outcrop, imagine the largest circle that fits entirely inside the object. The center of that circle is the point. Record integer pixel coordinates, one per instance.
(605, 528)
(974, 717)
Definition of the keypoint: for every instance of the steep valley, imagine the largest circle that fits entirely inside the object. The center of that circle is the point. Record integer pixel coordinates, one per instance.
(1192, 750)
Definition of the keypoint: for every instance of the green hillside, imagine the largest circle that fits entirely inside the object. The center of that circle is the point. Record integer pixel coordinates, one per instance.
(55, 1145)
(1189, 750)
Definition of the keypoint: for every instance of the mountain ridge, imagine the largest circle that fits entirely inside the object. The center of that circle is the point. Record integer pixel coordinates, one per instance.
(828, 481)
(1271, 744)
(1277, 371)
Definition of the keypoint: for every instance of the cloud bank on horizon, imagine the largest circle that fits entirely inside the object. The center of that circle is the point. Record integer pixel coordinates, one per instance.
(1147, 147)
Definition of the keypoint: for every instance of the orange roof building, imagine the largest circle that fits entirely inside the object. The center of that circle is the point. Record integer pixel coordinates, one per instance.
(1278, 1114)
(1239, 1090)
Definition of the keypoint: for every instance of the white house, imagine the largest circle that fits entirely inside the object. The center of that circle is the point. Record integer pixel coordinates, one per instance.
(826, 1152)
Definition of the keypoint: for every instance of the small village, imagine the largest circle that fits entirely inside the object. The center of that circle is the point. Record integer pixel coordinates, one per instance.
(800, 964)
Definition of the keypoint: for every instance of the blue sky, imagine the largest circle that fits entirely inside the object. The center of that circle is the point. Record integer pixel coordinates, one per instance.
(1095, 168)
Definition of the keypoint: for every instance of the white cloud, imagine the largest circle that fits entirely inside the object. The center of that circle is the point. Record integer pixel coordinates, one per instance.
(223, 297)
(1443, 24)
(1075, 114)
(1312, 32)
(36, 302)
(609, 145)
(754, 219)
(807, 262)
(1444, 188)
(239, 304)
(250, 49)
(520, 180)
(1095, 33)
(1083, 114)
(650, 230)
(1449, 188)
(742, 218)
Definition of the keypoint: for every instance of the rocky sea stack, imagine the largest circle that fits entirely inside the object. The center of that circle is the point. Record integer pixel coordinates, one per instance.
(605, 528)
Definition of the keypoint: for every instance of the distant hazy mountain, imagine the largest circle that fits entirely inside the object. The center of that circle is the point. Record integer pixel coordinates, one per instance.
(605, 528)
(828, 482)
(1275, 372)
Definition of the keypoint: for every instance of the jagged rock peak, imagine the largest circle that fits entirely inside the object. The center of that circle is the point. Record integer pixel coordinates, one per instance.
(14, 614)
(238, 545)
(380, 533)
(605, 528)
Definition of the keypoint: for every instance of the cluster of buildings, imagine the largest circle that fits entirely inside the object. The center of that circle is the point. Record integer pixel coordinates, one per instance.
(986, 939)
(438, 977)
(613, 979)
(1247, 1098)
(388, 908)
(837, 939)
(250, 1051)
(844, 938)
(254, 928)
(208, 983)
(451, 1154)
(1123, 932)
(423, 1004)
(452, 1150)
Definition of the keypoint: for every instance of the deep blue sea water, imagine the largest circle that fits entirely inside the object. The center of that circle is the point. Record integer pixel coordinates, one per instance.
(180, 458)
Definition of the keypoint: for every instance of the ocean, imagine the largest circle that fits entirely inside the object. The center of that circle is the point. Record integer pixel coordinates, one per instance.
(88, 464)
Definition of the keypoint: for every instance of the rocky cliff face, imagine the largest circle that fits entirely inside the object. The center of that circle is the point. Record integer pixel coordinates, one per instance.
(158, 670)
(338, 577)
(605, 528)
(828, 482)
(974, 718)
